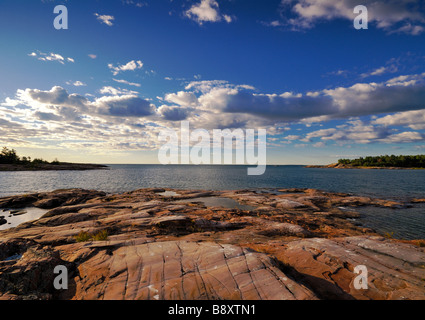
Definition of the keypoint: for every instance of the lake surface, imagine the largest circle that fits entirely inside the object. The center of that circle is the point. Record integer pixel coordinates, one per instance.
(387, 184)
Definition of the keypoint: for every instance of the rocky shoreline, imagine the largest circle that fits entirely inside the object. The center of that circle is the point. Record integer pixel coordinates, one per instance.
(347, 166)
(161, 244)
(51, 167)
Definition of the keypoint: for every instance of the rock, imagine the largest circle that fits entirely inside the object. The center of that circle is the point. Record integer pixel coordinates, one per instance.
(18, 201)
(289, 204)
(395, 270)
(281, 229)
(31, 276)
(15, 247)
(49, 200)
(18, 212)
(66, 198)
(160, 248)
(68, 209)
(48, 203)
(177, 270)
(418, 201)
(2, 220)
(175, 223)
(202, 225)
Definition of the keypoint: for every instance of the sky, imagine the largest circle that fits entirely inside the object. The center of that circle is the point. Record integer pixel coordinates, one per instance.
(102, 90)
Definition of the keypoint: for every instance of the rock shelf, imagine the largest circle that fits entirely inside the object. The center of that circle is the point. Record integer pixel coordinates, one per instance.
(293, 244)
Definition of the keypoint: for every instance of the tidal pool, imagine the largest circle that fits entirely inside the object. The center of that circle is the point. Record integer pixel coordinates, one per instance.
(13, 220)
(219, 202)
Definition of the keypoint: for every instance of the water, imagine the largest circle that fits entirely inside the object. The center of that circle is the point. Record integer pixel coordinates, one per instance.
(400, 185)
(13, 220)
(219, 202)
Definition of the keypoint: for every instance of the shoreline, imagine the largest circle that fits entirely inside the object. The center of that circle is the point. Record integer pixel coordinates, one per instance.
(175, 237)
(63, 166)
(344, 166)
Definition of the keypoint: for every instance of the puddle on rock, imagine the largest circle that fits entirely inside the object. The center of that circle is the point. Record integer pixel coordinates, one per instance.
(15, 217)
(168, 194)
(219, 202)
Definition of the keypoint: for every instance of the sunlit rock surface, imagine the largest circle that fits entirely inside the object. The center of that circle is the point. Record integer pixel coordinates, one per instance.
(292, 244)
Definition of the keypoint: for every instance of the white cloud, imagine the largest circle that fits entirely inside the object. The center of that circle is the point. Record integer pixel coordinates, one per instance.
(319, 145)
(173, 113)
(124, 106)
(106, 19)
(135, 3)
(130, 66)
(50, 57)
(76, 83)
(182, 98)
(116, 91)
(56, 96)
(395, 95)
(389, 15)
(127, 82)
(358, 132)
(405, 137)
(92, 56)
(412, 119)
(207, 11)
(380, 71)
(99, 125)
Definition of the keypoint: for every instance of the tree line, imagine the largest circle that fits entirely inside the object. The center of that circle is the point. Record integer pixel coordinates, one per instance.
(9, 156)
(417, 161)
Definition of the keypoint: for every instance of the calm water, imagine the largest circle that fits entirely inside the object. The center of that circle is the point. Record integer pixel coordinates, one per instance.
(387, 184)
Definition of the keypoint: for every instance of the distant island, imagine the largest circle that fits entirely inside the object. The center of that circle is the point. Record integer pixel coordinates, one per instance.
(10, 161)
(379, 162)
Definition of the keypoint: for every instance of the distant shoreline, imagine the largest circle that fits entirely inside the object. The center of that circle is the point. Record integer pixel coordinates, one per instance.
(345, 166)
(63, 166)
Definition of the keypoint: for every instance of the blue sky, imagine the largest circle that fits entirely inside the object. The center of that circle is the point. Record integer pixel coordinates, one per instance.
(125, 69)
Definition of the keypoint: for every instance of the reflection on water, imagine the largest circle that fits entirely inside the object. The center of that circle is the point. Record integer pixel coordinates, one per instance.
(15, 220)
(219, 202)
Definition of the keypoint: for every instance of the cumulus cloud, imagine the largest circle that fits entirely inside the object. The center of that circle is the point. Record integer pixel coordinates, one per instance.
(395, 95)
(359, 132)
(106, 19)
(39, 117)
(130, 66)
(109, 118)
(182, 98)
(116, 91)
(390, 15)
(47, 116)
(412, 119)
(207, 11)
(124, 106)
(173, 113)
(56, 96)
(118, 103)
